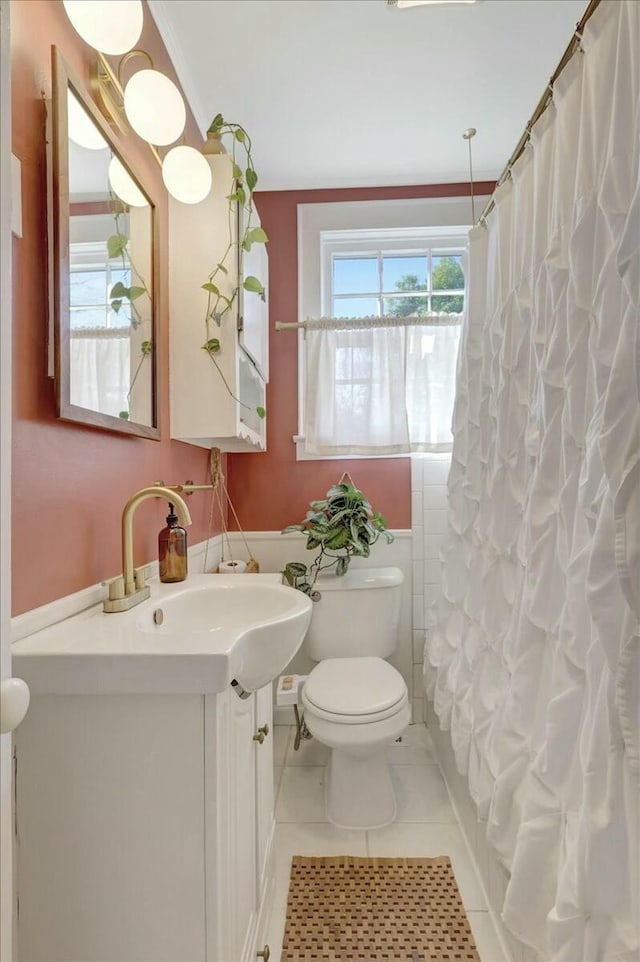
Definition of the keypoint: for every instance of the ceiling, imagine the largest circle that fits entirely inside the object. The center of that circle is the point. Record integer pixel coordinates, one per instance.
(356, 93)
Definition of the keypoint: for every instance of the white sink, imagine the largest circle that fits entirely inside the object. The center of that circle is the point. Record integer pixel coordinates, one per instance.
(197, 636)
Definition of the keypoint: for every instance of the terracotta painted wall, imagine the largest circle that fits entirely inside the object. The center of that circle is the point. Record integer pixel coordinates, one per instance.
(272, 490)
(70, 483)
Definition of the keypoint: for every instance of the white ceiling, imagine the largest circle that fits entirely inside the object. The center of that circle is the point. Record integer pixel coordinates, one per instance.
(355, 93)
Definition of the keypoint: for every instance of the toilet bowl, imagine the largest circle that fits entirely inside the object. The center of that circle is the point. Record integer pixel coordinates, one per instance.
(357, 707)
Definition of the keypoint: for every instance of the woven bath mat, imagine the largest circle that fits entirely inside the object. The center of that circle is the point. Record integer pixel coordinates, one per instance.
(347, 908)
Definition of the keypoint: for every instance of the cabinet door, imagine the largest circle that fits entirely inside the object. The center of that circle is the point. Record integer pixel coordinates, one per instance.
(242, 827)
(264, 787)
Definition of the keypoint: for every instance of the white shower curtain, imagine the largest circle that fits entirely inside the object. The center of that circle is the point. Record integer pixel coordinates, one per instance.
(533, 655)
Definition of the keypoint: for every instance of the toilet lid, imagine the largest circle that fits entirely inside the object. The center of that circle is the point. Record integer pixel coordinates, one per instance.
(354, 686)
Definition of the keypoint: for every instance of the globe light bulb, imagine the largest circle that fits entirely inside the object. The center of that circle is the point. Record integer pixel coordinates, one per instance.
(154, 107)
(123, 184)
(81, 127)
(111, 26)
(186, 174)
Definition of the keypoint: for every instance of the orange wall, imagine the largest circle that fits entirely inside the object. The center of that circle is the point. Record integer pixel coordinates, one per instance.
(70, 483)
(272, 490)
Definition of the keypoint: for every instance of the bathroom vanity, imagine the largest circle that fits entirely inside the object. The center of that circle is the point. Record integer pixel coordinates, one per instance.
(144, 789)
(144, 827)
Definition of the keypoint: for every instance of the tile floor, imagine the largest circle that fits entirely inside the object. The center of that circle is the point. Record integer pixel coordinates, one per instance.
(425, 826)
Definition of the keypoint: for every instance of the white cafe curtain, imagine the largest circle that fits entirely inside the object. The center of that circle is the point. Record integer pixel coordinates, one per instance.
(100, 369)
(533, 658)
(380, 385)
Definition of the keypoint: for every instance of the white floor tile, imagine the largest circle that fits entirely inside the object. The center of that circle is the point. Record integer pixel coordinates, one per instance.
(415, 748)
(319, 838)
(281, 739)
(310, 752)
(301, 797)
(422, 840)
(484, 933)
(421, 794)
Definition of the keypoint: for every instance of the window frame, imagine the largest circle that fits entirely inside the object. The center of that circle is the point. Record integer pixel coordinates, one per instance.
(403, 224)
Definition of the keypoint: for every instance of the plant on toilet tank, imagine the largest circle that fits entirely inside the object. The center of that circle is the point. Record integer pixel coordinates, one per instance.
(341, 526)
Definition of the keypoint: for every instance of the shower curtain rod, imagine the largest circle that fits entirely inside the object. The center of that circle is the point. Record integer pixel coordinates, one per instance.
(543, 103)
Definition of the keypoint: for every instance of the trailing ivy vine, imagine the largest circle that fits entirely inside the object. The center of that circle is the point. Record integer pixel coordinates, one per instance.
(219, 304)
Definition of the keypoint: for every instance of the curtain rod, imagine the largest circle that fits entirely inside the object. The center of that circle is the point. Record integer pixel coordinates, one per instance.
(365, 323)
(543, 103)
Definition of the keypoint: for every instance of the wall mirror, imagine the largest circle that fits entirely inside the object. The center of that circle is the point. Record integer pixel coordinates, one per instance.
(104, 265)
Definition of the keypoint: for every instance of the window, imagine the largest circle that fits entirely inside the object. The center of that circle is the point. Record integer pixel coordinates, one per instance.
(384, 387)
(392, 283)
(92, 276)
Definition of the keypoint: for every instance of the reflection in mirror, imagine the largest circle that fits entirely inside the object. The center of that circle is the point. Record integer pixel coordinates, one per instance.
(105, 281)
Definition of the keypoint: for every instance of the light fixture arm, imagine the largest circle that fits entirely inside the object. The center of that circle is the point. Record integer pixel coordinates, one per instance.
(137, 52)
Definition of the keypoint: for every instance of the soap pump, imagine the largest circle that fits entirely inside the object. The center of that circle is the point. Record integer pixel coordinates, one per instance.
(172, 550)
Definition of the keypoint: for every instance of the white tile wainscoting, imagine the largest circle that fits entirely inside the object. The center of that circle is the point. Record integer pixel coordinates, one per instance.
(429, 474)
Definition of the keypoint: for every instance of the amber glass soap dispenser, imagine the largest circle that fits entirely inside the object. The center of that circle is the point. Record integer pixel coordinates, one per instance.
(172, 550)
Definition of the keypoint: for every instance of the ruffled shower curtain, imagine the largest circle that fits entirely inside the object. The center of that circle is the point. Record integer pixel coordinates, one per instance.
(532, 658)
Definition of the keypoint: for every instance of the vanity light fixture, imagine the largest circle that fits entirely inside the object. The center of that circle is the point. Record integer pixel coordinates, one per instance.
(123, 184)
(111, 26)
(403, 4)
(186, 174)
(149, 102)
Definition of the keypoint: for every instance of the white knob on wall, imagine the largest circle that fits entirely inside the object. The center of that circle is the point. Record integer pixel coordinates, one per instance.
(14, 701)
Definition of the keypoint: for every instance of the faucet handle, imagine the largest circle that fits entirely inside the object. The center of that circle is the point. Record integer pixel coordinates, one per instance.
(116, 588)
(140, 576)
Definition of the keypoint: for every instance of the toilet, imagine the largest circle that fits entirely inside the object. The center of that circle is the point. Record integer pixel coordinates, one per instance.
(354, 701)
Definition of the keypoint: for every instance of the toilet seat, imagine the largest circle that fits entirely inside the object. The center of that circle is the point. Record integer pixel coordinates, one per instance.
(354, 691)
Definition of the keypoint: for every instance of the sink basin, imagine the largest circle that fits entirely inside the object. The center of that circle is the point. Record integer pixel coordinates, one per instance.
(267, 622)
(194, 637)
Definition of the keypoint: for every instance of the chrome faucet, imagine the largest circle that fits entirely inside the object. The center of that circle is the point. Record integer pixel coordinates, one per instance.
(129, 588)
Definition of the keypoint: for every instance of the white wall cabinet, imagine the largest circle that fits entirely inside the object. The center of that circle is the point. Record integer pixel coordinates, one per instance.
(144, 826)
(204, 410)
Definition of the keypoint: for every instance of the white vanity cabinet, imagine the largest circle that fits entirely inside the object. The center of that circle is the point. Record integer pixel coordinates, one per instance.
(144, 824)
(205, 410)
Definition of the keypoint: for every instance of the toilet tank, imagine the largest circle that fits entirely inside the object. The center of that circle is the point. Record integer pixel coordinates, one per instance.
(357, 615)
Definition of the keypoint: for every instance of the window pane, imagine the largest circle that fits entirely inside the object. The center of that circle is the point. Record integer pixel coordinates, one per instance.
(355, 275)
(87, 287)
(404, 273)
(447, 304)
(402, 306)
(355, 306)
(447, 272)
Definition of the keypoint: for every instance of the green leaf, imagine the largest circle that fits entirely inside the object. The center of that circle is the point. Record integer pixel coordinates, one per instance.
(116, 305)
(118, 290)
(291, 528)
(240, 194)
(261, 412)
(246, 243)
(296, 568)
(211, 288)
(136, 292)
(212, 346)
(252, 284)
(117, 244)
(258, 236)
(237, 172)
(124, 415)
(222, 268)
(252, 178)
(342, 566)
(146, 348)
(240, 136)
(216, 124)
